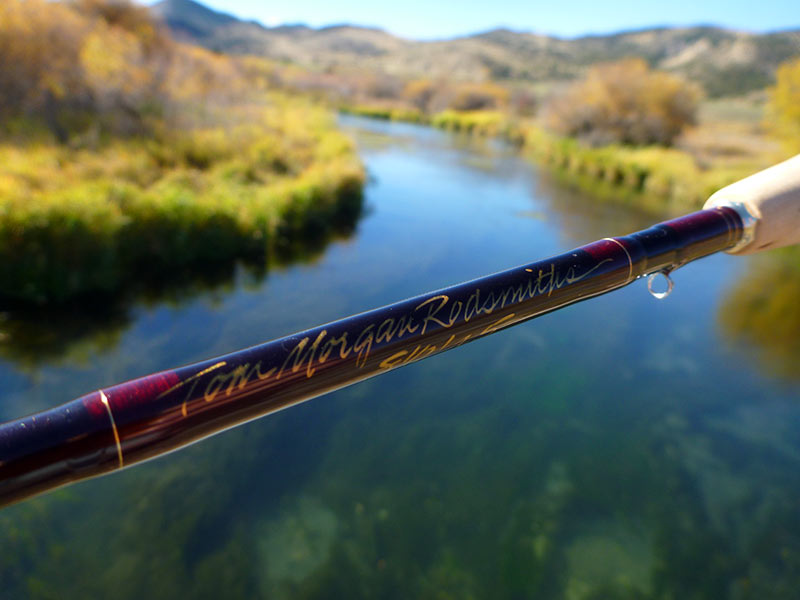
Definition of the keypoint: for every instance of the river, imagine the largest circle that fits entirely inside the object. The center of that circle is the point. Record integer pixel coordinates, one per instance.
(623, 447)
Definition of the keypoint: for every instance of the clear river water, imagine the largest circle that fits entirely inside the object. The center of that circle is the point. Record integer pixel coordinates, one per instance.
(623, 447)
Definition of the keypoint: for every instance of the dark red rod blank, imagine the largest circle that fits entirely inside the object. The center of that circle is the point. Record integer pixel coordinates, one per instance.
(125, 424)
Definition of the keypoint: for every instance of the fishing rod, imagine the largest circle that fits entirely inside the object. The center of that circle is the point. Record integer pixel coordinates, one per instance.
(120, 426)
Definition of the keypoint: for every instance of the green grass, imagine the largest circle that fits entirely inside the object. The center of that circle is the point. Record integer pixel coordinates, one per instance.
(650, 176)
(476, 122)
(387, 113)
(79, 221)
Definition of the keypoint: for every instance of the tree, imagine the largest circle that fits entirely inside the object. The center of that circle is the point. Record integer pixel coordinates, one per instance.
(40, 68)
(419, 93)
(479, 96)
(625, 102)
(784, 104)
(101, 62)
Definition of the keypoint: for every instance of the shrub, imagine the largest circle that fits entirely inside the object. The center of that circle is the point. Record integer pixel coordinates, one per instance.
(419, 93)
(784, 104)
(65, 62)
(625, 102)
(479, 96)
(106, 64)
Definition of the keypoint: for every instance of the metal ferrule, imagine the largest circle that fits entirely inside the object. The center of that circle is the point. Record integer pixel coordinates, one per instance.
(749, 222)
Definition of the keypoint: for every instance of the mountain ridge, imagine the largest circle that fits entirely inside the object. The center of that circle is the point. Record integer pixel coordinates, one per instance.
(724, 61)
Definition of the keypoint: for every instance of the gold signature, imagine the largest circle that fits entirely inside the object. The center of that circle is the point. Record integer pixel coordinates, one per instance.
(309, 354)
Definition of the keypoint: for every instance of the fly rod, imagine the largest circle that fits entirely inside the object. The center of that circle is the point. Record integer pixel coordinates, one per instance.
(120, 426)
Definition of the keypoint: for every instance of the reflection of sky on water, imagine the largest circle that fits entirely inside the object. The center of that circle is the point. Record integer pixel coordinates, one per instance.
(613, 449)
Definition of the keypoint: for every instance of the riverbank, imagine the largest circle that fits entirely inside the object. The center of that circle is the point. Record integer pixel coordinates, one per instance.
(653, 177)
(672, 180)
(475, 122)
(87, 218)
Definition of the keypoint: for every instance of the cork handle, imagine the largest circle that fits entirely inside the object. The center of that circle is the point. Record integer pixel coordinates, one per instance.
(772, 198)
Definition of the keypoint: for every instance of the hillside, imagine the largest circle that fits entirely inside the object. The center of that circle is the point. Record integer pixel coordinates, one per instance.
(725, 62)
(191, 20)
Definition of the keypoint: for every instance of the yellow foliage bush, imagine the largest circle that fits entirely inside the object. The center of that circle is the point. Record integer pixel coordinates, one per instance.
(419, 93)
(625, 102)
(40, 47)
(478, 96)
(107, 64)
(784, 104)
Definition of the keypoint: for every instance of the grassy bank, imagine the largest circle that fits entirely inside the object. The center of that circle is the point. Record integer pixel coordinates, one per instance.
(675, 179)
(651, 176)
(81, 220)
(475, 122)
(386, 113)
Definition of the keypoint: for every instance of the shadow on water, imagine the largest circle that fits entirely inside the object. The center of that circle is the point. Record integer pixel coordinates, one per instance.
(73, 331)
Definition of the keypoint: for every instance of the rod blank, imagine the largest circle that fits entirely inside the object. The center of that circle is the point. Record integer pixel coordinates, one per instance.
(117, 427)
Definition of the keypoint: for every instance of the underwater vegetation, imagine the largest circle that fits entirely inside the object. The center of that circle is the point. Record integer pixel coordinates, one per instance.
(531, 495)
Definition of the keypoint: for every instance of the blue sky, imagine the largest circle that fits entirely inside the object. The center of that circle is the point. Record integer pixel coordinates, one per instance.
(430, 19)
